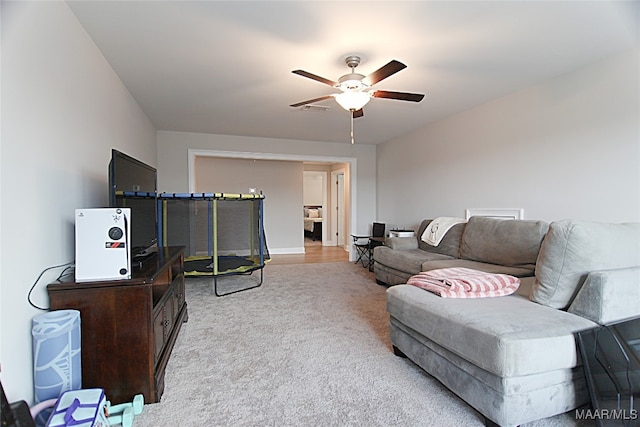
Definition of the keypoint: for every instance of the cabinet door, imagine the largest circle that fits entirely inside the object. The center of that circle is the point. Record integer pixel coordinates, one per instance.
(170, 313)
(177, 296)
(159, 334)
(180, 287)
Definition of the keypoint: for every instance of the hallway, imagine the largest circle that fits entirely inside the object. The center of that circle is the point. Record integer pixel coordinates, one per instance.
(314, 253)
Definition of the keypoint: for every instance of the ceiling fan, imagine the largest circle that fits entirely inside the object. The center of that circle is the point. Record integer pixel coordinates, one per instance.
(356, 89)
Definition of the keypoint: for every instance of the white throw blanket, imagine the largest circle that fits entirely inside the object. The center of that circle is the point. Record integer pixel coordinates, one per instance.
(436, 230)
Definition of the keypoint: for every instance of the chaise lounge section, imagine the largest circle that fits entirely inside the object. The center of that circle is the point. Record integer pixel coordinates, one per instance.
(515, 358)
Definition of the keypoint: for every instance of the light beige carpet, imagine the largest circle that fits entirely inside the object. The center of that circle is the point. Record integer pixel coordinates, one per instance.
(309, 347)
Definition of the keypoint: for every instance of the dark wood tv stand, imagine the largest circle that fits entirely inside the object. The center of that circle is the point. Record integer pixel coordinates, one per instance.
(128, 327)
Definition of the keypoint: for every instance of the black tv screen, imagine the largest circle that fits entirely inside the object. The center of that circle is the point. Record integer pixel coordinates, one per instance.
(132, 184)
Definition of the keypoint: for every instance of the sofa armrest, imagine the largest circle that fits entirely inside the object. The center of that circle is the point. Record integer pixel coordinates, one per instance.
(609, 296)
(401, 243)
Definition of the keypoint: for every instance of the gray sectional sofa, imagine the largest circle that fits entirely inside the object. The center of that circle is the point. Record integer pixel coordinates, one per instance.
(513, 358)
(486, 244)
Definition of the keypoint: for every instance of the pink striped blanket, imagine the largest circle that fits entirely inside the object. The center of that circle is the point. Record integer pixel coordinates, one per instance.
(459, 282)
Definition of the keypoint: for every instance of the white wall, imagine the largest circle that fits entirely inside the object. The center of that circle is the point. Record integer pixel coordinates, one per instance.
(173, 163)
(280, 182)
(314, 187)
(63, 109)
(566, 148)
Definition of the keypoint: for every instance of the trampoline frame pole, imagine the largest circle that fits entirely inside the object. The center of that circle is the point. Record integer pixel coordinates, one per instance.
(163, 223)
(209, 227)
(214, 236)
(252, 228)
(261, 230)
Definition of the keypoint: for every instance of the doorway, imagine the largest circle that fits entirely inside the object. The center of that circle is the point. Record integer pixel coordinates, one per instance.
(326, 187)
(314, 196)
(280, 228)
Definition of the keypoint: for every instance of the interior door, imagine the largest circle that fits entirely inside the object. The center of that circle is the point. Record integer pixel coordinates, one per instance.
(340, 211)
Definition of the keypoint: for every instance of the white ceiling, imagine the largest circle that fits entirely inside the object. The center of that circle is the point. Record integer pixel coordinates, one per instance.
(224, 67)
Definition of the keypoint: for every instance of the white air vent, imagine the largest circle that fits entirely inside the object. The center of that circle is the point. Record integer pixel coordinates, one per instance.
(309, 107)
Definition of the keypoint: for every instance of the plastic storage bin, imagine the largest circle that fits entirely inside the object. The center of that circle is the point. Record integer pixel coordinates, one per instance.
(80, 408)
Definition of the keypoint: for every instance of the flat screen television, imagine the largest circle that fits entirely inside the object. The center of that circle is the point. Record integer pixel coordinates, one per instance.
(132, 184)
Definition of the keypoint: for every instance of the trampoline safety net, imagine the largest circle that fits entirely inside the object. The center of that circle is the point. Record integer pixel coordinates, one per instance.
(222, 233)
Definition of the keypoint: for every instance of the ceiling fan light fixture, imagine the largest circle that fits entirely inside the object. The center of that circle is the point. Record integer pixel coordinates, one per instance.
(355, 88)
(352, 81)
(353, 101)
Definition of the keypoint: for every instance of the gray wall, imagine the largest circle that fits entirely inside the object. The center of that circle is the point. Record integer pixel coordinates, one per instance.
(566, 148)
(281, 183)
(63, 109)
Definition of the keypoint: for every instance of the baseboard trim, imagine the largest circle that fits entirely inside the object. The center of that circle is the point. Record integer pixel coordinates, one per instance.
(286, 251)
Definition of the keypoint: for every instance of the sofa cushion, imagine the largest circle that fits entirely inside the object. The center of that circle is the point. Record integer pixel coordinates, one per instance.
(476, 265)
(401, 243)
(450, 243)
(609, 296)
(409, 261)
(507, 336)
(513, 243)
(572, 249)
(390, 276)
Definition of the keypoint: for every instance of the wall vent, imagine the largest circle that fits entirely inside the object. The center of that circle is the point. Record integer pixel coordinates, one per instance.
(320, 108)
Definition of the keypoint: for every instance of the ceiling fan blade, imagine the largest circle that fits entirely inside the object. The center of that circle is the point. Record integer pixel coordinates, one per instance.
(314, 77)
(311, 101)
(382, 73)
(402, 96)
(357, 113)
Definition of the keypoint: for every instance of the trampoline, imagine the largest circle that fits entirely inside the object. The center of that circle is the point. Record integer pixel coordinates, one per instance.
(223, 233)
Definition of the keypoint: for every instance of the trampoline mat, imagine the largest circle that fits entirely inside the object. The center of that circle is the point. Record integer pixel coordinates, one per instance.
(226, 264)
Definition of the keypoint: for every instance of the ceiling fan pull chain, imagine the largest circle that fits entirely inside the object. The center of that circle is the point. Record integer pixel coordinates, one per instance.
(352, 140)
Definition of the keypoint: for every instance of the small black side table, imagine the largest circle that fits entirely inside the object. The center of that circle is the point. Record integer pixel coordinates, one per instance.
(611, 360)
